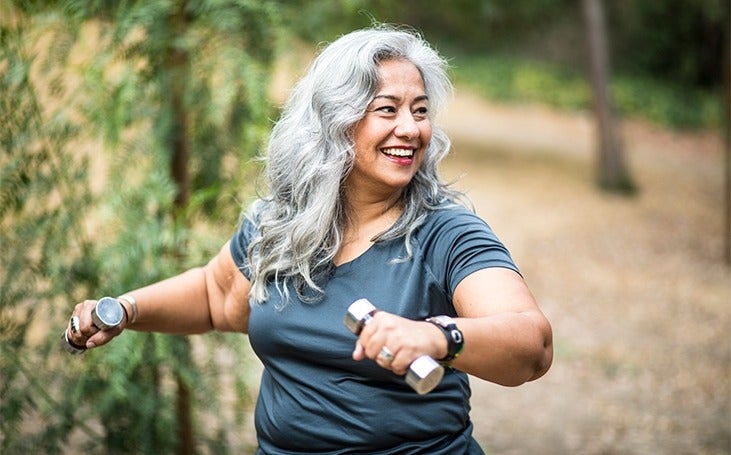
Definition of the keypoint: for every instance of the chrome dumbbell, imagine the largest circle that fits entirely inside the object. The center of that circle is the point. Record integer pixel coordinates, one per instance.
(106, 314)
(424, 373)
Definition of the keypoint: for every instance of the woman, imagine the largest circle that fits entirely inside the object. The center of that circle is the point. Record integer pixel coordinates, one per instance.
(356, 209)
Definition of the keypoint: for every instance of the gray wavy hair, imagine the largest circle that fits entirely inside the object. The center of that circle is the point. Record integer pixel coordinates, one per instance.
(311, 152)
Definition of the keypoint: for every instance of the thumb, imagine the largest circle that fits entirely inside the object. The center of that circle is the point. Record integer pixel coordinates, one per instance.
(102, 337)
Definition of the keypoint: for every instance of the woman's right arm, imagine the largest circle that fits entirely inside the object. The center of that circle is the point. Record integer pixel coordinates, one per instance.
(212, 297)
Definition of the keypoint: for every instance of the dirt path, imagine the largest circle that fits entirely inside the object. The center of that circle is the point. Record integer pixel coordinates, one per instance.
(636, 288)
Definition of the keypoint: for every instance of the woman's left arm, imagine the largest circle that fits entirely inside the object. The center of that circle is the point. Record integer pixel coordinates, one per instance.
(507, 339)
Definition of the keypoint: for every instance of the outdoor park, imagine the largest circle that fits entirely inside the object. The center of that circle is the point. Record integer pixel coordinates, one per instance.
(636, 289)
(635, 281)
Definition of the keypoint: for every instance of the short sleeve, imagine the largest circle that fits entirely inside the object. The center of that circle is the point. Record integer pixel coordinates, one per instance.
(239, 246)
(461, 243)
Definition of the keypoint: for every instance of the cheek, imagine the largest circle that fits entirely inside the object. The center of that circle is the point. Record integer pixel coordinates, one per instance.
(426, 132)
(364, 136)
(426, 135)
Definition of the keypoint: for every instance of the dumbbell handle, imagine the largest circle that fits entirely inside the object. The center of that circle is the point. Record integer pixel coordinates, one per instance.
(424, 373)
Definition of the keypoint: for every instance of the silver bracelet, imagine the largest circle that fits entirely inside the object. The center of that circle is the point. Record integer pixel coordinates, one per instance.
(133, 303)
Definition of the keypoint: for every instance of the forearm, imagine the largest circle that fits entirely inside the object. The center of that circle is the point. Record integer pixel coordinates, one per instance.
(176, 305)
(508, 349)
(214, 297)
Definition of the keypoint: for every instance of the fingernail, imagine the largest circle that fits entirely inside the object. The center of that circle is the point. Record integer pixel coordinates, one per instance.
(90, 345)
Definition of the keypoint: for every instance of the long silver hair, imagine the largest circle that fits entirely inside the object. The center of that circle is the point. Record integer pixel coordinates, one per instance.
(311, 152)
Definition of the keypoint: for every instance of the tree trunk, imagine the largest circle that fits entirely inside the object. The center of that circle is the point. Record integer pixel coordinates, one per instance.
(727, 128)
(611, 170)
(184, 405)
(177, 65)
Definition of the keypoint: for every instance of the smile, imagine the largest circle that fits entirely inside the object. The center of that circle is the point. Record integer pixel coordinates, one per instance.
(399, 152)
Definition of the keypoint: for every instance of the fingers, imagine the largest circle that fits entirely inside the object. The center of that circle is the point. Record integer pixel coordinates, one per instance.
(385, 357)
(81, 332)
(359, 352)
(102, 337)
(83, 312)
(391, 341)
(80, 327)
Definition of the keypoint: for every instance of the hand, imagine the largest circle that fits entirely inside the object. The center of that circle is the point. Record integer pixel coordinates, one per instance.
(404, 339)
(81, 330)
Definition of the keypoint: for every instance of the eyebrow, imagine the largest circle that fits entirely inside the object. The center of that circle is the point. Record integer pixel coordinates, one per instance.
(396, 98)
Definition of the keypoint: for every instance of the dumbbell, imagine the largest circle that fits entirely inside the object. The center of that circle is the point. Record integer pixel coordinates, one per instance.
(106, 314)
(424, 373)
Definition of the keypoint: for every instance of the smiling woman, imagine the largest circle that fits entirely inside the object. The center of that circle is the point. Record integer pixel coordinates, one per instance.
(391, 139)
(356, 210)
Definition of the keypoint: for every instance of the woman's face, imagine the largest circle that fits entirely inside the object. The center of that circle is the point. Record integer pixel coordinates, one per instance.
(391, 139)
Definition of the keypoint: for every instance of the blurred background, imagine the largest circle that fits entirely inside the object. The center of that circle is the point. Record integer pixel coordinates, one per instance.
(592, 136)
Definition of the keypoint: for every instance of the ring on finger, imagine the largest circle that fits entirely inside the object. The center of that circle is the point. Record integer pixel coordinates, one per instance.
(74, 322)
(386, 354)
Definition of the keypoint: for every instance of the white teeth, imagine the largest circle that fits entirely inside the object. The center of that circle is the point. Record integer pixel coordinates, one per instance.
(398, 152)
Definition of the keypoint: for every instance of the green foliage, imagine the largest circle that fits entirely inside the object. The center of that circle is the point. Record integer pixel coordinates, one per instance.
(87, 209)
(514, 80)
(228, 47)
(679, 41)
(666, 56)
(43, 196)
(509, 79)
(667, 103)
(470, 24)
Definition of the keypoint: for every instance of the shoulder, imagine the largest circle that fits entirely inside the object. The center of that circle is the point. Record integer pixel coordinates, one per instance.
(451, 219)
(457, 241)
(251, 219)
(451, 229)
(455, 211)
(246, 233)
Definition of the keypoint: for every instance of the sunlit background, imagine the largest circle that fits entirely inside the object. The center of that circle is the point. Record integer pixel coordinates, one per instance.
(591, 135)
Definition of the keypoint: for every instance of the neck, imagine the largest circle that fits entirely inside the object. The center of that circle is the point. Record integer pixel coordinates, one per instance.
(366, 219)
(369, 216)
(366, 210)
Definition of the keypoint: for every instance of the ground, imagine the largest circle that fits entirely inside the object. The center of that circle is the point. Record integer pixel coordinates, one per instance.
(636, 288)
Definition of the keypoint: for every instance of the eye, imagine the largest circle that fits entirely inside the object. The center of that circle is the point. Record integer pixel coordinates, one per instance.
(387, 109)
(421, 112)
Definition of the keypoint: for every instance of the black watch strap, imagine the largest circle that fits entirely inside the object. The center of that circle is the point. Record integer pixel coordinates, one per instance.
(455, 339)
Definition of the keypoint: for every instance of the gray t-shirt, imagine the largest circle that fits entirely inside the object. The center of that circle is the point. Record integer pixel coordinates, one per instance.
(314, 398)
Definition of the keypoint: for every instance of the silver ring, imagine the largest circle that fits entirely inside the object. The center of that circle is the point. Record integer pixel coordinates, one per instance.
(74, 322)
(386, 354)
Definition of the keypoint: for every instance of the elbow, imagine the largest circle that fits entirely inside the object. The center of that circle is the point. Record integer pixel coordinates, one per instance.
(534, 369)
(536, 361)
(543, 363)
(519, 354)
(543, 354)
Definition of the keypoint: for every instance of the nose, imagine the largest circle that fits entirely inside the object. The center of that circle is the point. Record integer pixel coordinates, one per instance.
(406, 126)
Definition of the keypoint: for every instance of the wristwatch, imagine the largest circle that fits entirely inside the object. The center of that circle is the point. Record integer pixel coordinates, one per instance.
(455, 339)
